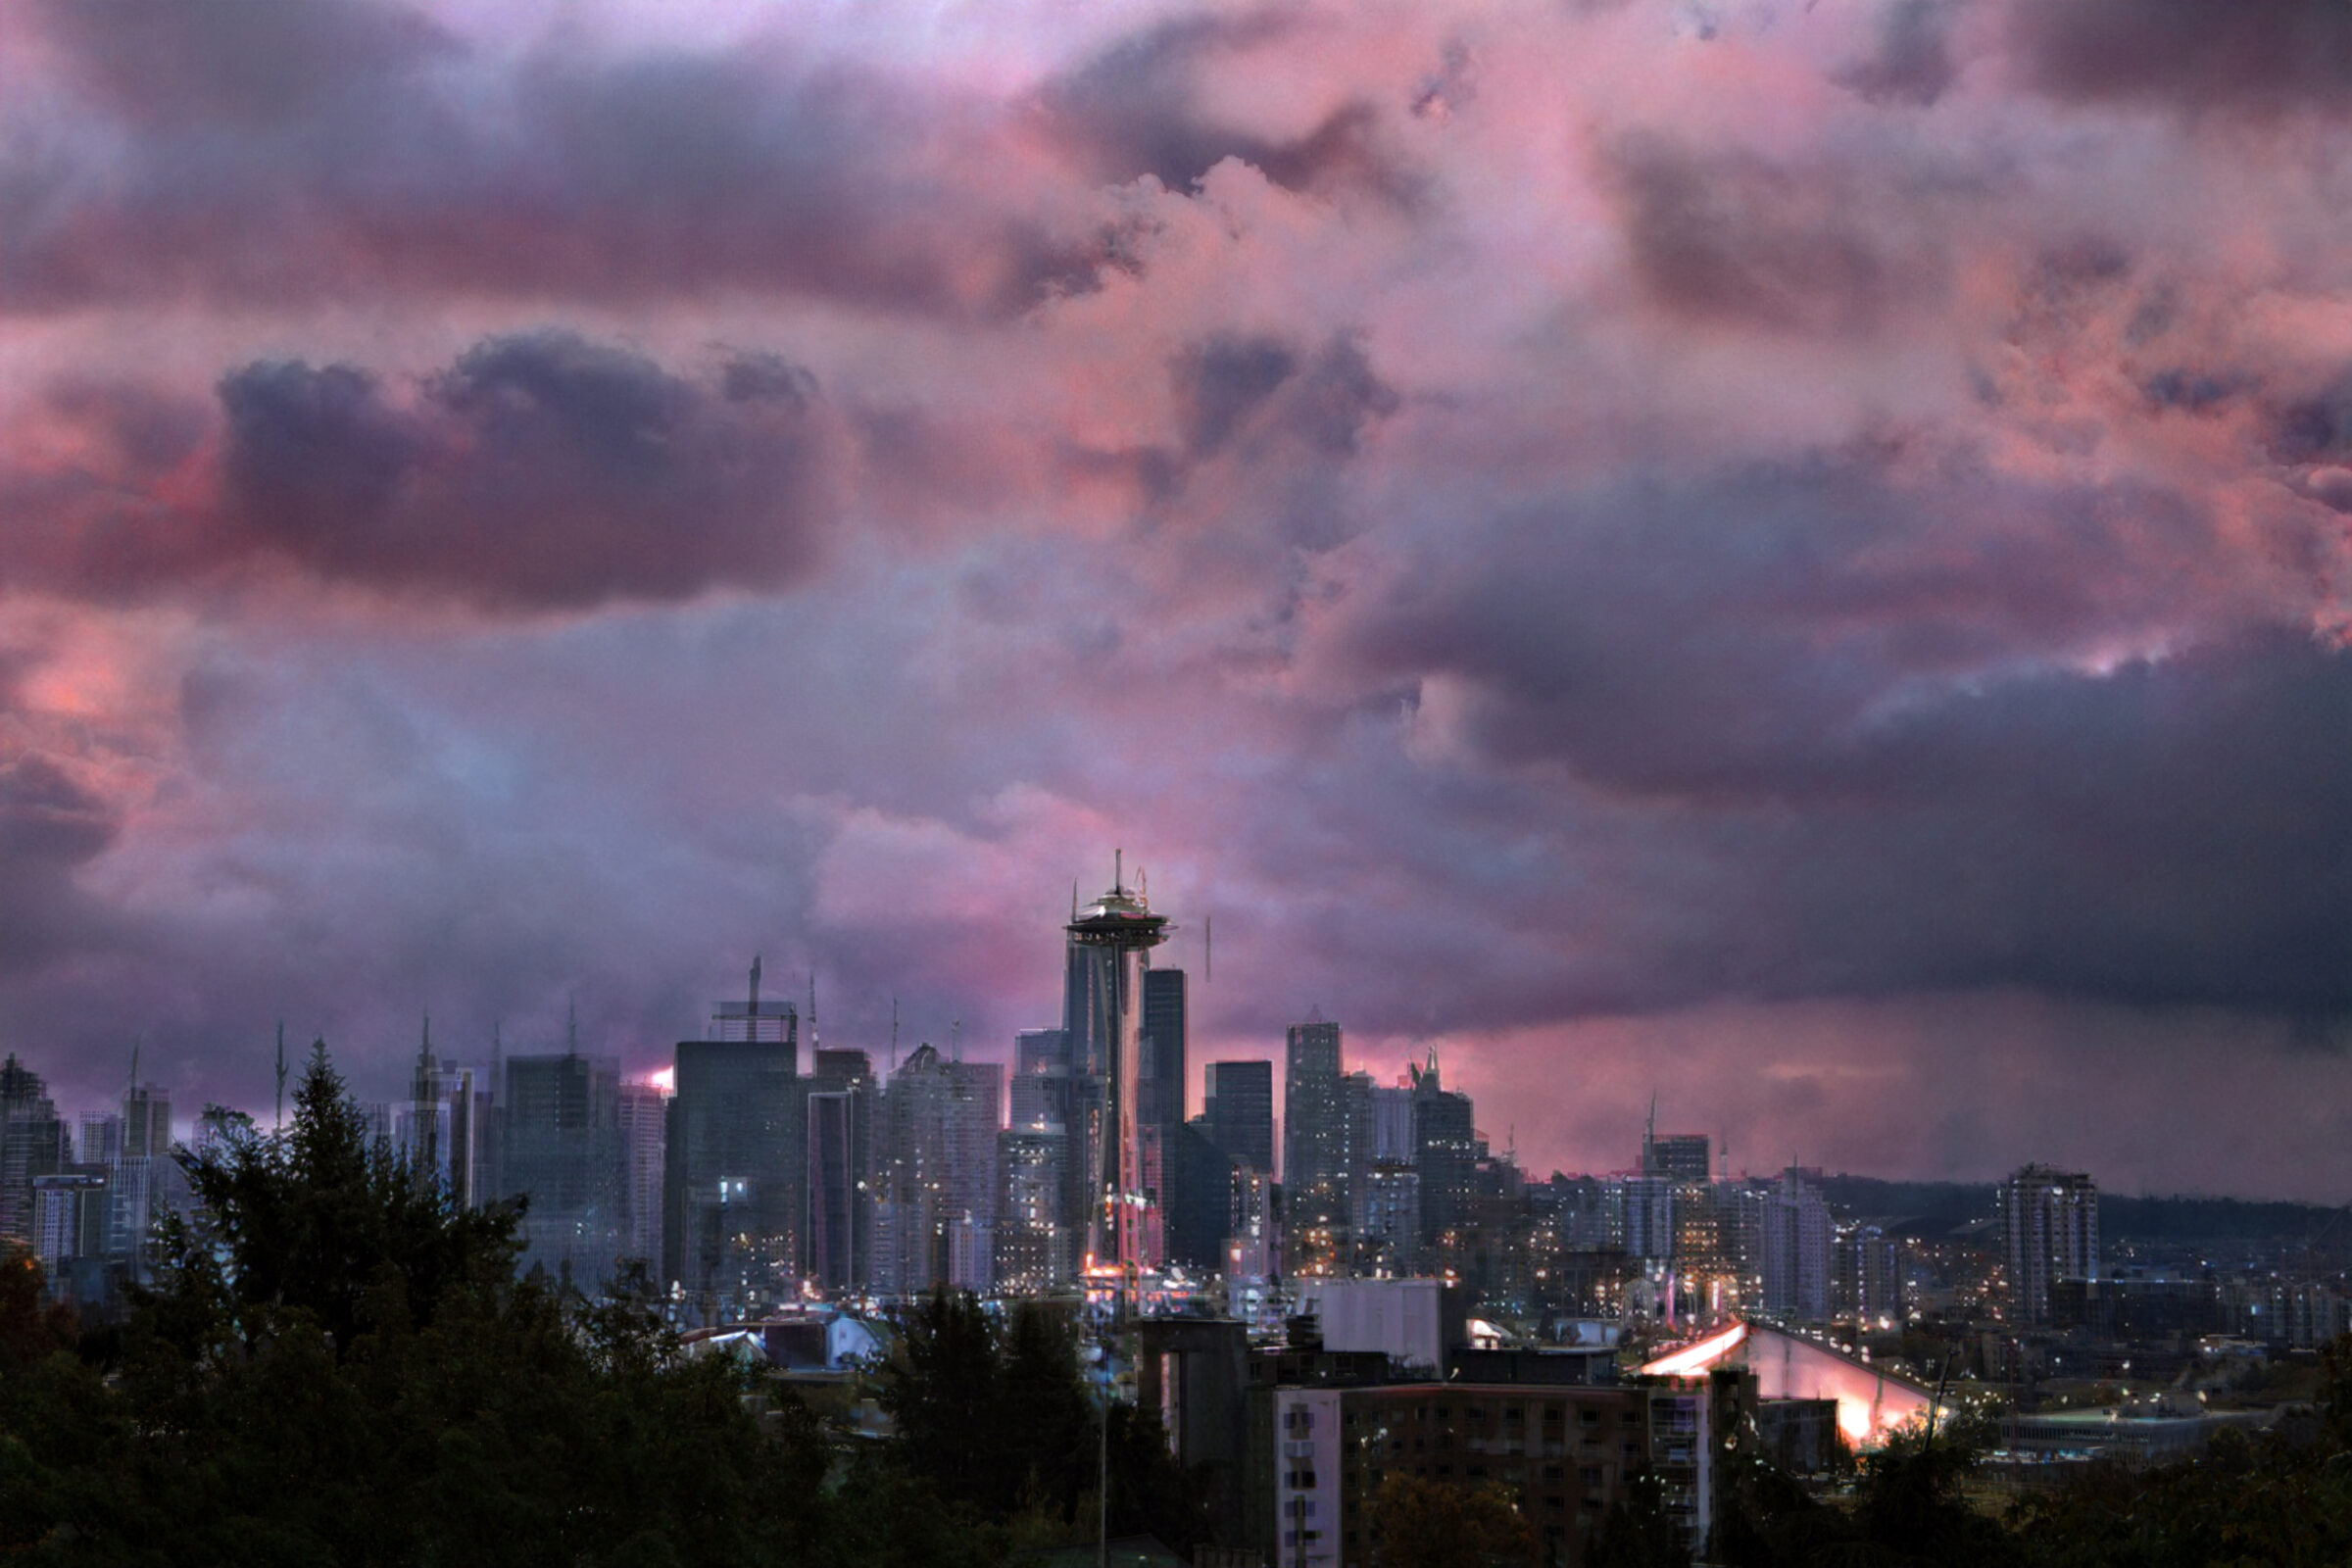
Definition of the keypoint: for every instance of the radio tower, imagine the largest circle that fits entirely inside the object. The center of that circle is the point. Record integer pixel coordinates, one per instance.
(1117, 930)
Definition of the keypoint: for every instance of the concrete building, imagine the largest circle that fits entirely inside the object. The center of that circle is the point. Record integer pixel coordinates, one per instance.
(1314, 1125)
(2049, 1232)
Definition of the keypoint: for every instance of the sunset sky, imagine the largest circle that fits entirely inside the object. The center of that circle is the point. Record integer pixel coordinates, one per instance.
(1791, 556)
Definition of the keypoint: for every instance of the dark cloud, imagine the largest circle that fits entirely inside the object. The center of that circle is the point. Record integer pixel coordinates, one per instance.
(51, 824)
(1912, 63)
(190, 64)
(542, 469)
(351, 147)
(1227, 385)
(1135, 110)
(1729, 237)
(2258, 55)
(1790, 695)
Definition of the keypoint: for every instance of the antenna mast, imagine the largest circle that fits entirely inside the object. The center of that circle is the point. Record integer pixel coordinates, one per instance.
(281, 1073)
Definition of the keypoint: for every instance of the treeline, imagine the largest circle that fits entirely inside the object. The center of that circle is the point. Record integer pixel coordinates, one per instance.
(338, 1366)
(1933, 1210)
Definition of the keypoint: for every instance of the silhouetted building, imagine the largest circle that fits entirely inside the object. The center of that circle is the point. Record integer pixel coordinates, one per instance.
(32, 1143)
(644, 1134)
(1679, 1157)
(564, 1154)
(1161, 1091)
(733, 1158)
(1239, 1108)
(1445, 1151)
(840, 1098)
(1314, 1124)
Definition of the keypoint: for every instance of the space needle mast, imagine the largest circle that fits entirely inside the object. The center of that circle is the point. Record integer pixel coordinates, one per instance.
(1117, 930)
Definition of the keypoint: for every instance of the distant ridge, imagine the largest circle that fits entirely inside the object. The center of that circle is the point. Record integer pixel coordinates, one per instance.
(1935, 1209)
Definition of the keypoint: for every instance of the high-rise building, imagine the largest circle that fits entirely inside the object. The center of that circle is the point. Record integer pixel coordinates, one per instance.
(841, 1098)
(563, 1154)
(1869, 1282)
(1793, 1254)
(1314, 1124)
(1679, 1157)
(733, 1161)
(643, 1133)
(1030, 1253)
(2050, 1232)
(1040, 1085)
(32, 1143)
(1109, 943)
(934, 1175)
(442, 1127)
(1160, 1087)
(1445, 1151)
(1239, 1108)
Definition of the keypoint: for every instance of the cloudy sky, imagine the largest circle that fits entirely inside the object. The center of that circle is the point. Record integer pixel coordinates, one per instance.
(1788, 554)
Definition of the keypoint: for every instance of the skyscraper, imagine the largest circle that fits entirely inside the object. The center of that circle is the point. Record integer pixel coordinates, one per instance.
(643, 1133)
(733, 1159)
(564, 1154)
(1314, 1127)
(1239, 1108)
(32, 1143)
(1445, 1151)
(2050, 1232)
(841, 1098)
(1161, 1086)
(934, 1175)
(1041, 1078)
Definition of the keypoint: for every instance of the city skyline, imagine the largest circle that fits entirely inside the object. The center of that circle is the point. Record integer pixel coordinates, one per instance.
(1786, 557)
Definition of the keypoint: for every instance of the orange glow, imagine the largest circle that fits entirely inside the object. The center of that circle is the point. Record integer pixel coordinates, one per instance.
(1698, 1357)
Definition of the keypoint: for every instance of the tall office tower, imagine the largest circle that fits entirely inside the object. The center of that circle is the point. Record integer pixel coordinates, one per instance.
(2050, 1229)
(1030, 1253)
(841, 1098)
(935, 1176)
(1445, 1151)
(975, 1115)
(1197, 1188)
(733, 1161)
(1869, 1275)
(143, 1181)
(1314, 1125)
(1110, 941)
(32, 1143)
(643, 1133)
(442, 1124)
(564, 1154)
(1237, 1109)
(1679, 1157)
(1357, 1134)
(1648, 1225)
(1160, 1083)
(1040, 1085)
(1795, 1257)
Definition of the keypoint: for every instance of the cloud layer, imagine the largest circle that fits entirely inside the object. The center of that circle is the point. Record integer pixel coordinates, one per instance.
(1596, 539)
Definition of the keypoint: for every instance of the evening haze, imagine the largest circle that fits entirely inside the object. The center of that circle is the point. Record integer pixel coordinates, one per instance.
(1788, 556)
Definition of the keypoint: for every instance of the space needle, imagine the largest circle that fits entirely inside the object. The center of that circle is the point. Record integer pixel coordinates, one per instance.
(1116, 931)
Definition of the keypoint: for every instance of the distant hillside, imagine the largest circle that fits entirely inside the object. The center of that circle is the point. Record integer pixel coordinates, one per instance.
(1927, 1210)
(1932, 1209)
(2215, 1219)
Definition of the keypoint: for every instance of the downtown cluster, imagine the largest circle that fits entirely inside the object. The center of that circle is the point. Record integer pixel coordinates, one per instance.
(1051, 1301)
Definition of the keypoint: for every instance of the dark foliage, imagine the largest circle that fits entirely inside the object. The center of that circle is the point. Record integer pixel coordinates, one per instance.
(339, 1367)
(998, 1418)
